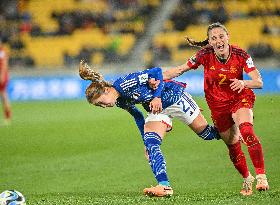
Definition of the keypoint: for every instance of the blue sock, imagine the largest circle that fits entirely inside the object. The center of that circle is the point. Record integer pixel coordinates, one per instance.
(209, 133)
(156, 160)
(164, 183)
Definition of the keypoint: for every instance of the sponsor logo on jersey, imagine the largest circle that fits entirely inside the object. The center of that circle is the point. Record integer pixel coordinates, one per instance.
(212, 68)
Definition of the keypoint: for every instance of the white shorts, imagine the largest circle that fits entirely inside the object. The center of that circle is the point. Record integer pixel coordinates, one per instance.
(185, 110)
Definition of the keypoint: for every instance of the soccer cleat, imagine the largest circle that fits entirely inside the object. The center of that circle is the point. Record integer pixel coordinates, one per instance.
(247, 188)
(159, 191)
(262, 184)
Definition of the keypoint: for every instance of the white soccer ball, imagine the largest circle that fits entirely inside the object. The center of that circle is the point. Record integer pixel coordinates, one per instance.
(12, 197)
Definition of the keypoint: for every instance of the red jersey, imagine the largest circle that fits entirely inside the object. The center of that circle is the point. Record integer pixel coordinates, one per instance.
(217, 74)
(3, 58)
(3, 65)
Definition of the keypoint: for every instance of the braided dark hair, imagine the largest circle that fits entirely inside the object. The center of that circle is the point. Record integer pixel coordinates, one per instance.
(192, 42)
(203, 43)
(98, 85)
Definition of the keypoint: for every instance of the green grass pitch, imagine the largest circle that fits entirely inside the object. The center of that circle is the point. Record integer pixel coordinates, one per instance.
(69, 152)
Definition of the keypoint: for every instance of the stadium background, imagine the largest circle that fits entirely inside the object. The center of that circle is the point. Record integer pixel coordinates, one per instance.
(46, 39)
(50, 37)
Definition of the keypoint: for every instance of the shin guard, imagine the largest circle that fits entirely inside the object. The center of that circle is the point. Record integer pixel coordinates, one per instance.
(157, 162)
(238, 159)
(254, 146)
(209, 133)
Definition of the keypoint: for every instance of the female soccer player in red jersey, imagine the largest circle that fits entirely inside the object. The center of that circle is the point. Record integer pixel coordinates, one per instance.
(3, 84)
(230, 99)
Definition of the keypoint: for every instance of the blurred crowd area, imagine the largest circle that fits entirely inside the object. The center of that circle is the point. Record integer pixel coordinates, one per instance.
(55, 33)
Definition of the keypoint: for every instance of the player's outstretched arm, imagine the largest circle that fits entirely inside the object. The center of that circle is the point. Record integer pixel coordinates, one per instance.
(175, 72)
(138, 117)
(169, 74)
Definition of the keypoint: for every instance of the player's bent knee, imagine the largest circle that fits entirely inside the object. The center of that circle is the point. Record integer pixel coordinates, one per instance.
(156, 126)
(247, 133)
(151, 138)
(198, 124)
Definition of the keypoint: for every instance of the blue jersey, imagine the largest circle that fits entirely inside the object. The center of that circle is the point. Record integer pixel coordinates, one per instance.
(134, 89)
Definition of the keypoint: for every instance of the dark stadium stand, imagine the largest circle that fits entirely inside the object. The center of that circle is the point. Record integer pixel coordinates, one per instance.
(245, 21)
(56, 33)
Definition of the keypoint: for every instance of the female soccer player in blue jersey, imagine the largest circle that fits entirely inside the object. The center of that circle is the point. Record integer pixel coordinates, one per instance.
(167, 101)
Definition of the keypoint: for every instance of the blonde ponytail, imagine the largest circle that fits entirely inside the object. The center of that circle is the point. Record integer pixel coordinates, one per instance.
(98, 85)
(87, 73)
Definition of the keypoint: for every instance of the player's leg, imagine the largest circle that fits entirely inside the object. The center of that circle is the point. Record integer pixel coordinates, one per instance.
(154, 133)
(187, 111)
(243, 118)
(231, 137)
(232, 140)
(201, 127)
(229, 132)
(4, 98)
(6, 105)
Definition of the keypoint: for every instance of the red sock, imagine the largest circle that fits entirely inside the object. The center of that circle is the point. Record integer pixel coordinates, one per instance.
(256, 155)
(7, 114)
(254, 146)
(238, 159)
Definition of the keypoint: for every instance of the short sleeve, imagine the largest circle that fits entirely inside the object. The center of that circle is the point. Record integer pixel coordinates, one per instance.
(195, 61)
(248, 64)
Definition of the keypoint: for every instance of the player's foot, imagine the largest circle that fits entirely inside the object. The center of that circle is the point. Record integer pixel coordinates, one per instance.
(247, 187)
(262, 184)
(159, 191)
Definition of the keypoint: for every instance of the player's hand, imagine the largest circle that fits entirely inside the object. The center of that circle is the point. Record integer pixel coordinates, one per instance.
(146, 153)
(153, 83)
(156, 105)
(237, 85)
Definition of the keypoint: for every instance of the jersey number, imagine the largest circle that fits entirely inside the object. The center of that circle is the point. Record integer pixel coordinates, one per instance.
(184, 106)
(223, 78)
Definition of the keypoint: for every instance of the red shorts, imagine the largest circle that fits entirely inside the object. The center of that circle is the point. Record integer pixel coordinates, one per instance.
(4, 84)
(221, 114)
